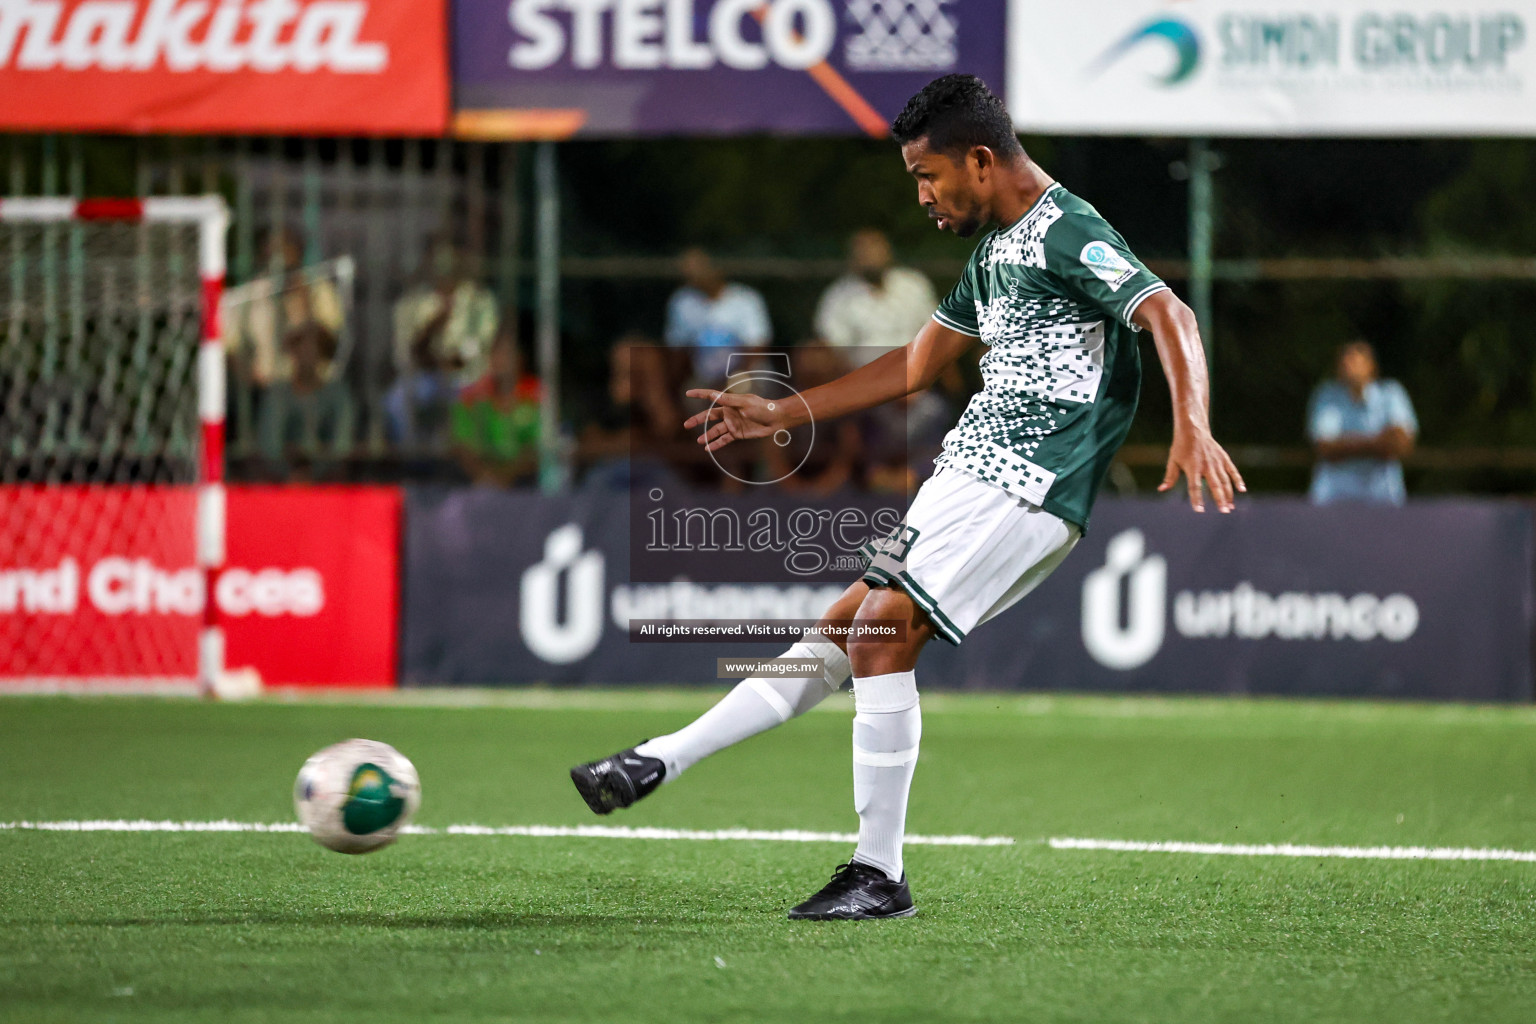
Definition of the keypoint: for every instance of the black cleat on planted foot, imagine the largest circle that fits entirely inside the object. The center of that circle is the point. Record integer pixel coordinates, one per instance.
(857, 892)
(618, 781)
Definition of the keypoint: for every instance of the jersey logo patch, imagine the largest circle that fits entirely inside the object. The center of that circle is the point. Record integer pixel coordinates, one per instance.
(1107, 265)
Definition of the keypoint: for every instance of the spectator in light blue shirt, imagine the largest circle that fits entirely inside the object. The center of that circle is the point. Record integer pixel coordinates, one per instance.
(1360, 428)
(714, 317)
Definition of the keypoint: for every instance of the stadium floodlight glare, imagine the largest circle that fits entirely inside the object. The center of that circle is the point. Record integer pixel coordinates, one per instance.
(99, 300)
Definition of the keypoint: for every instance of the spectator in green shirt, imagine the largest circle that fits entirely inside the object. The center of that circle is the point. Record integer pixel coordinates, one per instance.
(443, 329)
(495, 421)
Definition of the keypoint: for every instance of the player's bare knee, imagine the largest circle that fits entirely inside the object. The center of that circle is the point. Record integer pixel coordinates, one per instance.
(842, 611)
(872, 654)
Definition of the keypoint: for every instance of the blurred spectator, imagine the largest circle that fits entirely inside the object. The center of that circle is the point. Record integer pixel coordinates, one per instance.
(710, 313)
(875, 305)
(1360, 427)
(901, 440)
(494, 422)
(258, 316)
(823, 460)
(306, 421)
(443, 333)
(634, 432)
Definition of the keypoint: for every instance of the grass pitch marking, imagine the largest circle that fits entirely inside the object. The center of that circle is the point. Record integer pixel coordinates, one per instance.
(1294, 850)
(536, 831)
(801, 836)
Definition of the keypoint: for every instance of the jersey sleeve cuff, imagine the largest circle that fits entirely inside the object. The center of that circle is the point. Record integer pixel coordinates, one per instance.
(944, 321)
(1140, 297)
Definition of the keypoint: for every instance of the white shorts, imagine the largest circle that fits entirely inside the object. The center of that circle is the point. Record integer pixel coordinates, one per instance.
(968, 550)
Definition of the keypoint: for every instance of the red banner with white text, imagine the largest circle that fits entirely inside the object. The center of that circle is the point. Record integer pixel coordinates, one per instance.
(100, 584)
(300, 66)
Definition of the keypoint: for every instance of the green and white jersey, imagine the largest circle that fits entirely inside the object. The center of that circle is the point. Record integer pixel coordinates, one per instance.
(1052, 297)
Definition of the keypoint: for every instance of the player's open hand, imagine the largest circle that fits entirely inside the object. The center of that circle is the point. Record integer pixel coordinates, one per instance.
(735, 416)
(1199, 458)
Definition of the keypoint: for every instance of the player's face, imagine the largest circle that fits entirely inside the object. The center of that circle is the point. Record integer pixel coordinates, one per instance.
(949, 188)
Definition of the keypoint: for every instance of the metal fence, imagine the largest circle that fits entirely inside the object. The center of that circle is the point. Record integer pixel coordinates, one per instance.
(382, 204)
(373, 208)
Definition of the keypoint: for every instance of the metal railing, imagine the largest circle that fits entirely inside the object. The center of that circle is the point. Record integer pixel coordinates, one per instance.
(381, 202)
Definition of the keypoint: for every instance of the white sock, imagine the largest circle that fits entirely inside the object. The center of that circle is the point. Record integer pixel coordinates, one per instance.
(755, 705)
(886, 734)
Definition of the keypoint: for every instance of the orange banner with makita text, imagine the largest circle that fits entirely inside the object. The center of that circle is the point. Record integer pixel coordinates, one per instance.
(261, 66)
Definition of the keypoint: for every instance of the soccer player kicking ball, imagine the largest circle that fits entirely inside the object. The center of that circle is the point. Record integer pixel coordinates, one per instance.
(1057, 297)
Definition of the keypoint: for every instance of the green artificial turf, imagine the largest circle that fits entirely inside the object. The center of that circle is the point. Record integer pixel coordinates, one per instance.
(255, 927)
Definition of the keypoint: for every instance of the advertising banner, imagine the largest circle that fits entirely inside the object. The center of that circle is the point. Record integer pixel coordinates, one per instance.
(1430, 601)
(1274, 67)
(557, 68)
(303, 66)
(101, 583)
(311, 594)
(98, 582)
(1433, 601)
(552, 599)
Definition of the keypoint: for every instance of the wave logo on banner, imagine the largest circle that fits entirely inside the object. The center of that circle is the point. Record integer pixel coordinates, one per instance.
(1276, 67)
(1180, 36)
(1133, 644)
(557, 641)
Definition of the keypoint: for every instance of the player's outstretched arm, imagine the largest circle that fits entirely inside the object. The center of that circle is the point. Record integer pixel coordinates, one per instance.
(913, 367)
(1195, 452)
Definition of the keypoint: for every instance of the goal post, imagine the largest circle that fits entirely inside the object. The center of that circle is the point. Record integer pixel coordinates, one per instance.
(100, 302)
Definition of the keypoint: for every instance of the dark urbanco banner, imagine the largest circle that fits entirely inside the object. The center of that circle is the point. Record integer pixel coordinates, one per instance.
(1433, 601)
(554, 68)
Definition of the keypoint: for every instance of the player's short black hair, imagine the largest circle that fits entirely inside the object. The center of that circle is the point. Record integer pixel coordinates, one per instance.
(955, 113)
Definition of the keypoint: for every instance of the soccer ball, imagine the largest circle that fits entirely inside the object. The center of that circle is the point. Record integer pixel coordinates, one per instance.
(356, 796)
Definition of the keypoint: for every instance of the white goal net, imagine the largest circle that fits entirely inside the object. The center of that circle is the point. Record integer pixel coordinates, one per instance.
(111, 440)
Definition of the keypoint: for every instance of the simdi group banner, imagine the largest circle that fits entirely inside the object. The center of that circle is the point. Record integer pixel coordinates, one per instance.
(1432, 601)
(1274, 67)
(100, 583)
(299, 66)
(556, 68)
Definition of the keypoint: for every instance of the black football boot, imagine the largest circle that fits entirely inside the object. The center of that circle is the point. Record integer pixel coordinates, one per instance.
(618, 780)
(857, 892)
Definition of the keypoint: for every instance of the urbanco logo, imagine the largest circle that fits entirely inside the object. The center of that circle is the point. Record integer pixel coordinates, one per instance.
(1145, 618)
(1179, 35)
(1125, 610)
(557, 640)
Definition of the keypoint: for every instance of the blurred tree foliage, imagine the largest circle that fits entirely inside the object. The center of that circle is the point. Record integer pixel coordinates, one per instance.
(1464, 349)
(1482, 334)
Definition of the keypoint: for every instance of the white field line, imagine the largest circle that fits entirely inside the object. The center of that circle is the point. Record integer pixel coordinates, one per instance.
(802, 836)
(538, 831)
(694, 699)
(1294, 850)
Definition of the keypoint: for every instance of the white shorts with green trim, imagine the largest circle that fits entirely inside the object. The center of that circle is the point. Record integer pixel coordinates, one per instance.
(968, 550)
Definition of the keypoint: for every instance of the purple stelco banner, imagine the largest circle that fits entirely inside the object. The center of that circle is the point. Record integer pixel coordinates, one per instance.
(557, 68)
